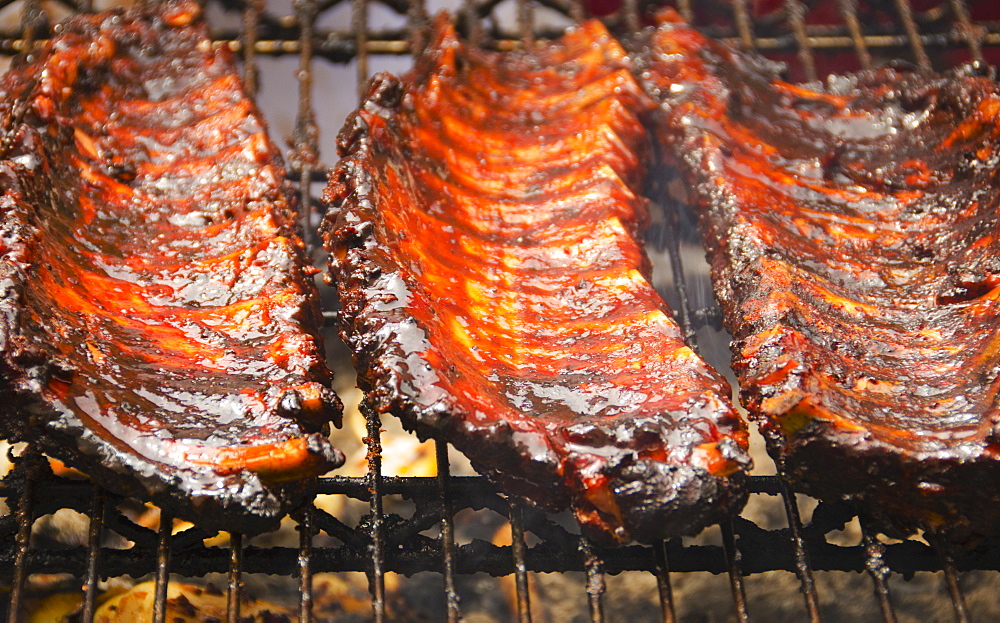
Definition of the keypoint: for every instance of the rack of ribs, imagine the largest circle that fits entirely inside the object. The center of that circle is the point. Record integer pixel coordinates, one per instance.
(484, 232)
(852, 234)
(158, 319)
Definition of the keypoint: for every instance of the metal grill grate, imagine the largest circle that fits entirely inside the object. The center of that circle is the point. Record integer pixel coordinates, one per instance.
(811, 36)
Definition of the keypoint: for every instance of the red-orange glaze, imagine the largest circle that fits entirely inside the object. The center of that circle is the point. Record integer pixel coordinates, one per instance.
(853, 235)
(483, 231)
(160, 325)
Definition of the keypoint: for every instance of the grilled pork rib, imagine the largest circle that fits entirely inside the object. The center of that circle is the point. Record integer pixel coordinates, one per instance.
(159, 323)
(483, 233)
(852, 234)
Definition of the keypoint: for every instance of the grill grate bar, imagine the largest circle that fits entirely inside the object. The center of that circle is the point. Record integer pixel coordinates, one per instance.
(803, 567)
(29, 23)
(235, 577)
(668, 237)
(734, 569)
(519, 549)
(305, 156)
(878, 570)
(526, 22)
(305, 521)
(470, 12)
(973, 35)
(251, 72)
(797, 16)
(162, 567)
(340, 47)
(596, 586)
(952, 583)
(93, 554)
(418, 20)
(359, 24)
(684, 7)
(744, 26)
(559, 554)
(733, 556)
(23, 539)
(447, 531)
(912, 34)
(376, 531)
(849, 11)
(631, 10)
(663, 583)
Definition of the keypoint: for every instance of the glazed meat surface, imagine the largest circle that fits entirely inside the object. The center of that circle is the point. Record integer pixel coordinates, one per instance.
(852, 231)
(159, 322)
(484, 234)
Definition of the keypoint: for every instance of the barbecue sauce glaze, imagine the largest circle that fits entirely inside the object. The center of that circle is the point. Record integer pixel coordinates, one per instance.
(160, 324)
(484, 233)
(852, 230)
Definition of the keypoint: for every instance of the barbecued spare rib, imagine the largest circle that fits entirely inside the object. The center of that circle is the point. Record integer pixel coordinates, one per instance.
(159, 324)
(852, 231)
(484, 232)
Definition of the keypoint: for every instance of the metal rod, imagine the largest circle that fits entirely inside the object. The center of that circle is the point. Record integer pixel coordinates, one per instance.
(663, 583)
(162, 567)
(630, 8)
(448, 554)
(733, 555)
(797, 16)
(359, 24)
(29, 18)
(376, 547)
(470, 11)
(305, 202)
(684, 6)
(816, 38)
(733, 567)
(803, 568)
(305, 156)
(235, 577)
(595, 580)
(744, 27)
(23, 540)
(971, 33)
(912, 34)
(520, 551)
(952, 583)
(672, 242)
(251, 72)
(93, 554)
(418, 26)
(526, 22)
(849, 11)
(877, 569)
(305, 563)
